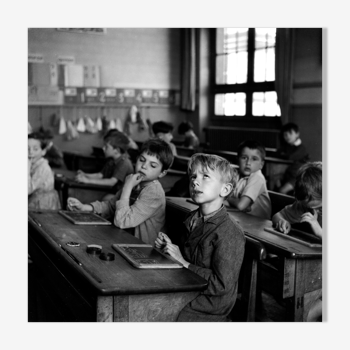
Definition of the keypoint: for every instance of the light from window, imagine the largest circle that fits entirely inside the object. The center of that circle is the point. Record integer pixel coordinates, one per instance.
(265, 104)
(232, 55)
(264, 55)
(231, 104)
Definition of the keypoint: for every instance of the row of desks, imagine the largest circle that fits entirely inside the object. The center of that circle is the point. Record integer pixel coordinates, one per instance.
(116, 291)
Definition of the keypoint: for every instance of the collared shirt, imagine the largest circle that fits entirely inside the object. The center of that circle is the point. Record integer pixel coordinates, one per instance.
(199, 219)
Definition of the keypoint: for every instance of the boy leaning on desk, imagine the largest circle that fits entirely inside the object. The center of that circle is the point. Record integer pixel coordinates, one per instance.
(215, 243)
(307, 211)
(139, 206)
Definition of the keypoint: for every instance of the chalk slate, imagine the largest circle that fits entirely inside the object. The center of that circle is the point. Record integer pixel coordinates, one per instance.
(300, 236)
(144, 256)
(84, 218)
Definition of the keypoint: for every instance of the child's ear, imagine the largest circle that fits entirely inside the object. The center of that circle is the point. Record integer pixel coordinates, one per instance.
(43, 152)
(162, 174)
(262, 164)
(226, 190)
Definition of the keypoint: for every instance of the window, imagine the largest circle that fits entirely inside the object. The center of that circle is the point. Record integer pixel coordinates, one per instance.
(245, 73)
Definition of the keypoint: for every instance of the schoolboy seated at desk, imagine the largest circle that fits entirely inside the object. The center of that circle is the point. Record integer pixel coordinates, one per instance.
(41, 192)
(251, 195)
(117, 167)
(191, 139)
(306, 212)
(293, 149)
(139, 206)
(215, 243)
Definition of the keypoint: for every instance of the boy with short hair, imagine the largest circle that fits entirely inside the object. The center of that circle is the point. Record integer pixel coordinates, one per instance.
(118, 164)
(307, 210)
(250, 194)
(215, 243)
(164, 131)
(292, 149)
(139, 207)
(308, 205)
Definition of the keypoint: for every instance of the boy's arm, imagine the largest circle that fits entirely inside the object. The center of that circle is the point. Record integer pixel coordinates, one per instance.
(241, 204)
(42, 178)
(89, 176)
(281, 223)
(106, 208)
(149, 201)
(226, 264)
(107, 182)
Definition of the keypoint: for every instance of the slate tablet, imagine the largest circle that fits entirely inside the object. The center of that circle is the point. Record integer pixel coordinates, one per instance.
(144, 256)
(299, 236)
(84, 218)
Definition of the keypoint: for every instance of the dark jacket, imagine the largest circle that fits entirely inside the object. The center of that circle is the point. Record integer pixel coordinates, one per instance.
(215, 250)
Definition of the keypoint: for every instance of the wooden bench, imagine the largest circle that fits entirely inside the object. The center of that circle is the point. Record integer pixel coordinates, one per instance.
(279, 201)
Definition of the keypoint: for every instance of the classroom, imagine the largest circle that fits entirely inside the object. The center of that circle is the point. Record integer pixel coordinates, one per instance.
(128, 123)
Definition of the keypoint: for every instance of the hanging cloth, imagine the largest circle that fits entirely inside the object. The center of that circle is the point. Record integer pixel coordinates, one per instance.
(62, 128)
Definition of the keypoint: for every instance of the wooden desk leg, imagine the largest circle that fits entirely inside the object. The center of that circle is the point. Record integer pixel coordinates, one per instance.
(104, 309)
(308, 288)
(249, 289)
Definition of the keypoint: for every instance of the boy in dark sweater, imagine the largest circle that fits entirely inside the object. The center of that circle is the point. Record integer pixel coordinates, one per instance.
(215, 243)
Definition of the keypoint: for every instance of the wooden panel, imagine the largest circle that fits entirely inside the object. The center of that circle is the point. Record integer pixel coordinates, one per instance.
(158, 307)
(105, 309)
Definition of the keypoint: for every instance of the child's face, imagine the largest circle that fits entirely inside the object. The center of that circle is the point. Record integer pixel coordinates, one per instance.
(35, 152)
(206, 185)
(149, 167)
(167, 137)
(290, 136)
(110, 151)
(250, 161)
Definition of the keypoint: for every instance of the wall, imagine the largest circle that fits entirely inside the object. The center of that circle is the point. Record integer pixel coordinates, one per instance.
(129, 58)
(307, 89)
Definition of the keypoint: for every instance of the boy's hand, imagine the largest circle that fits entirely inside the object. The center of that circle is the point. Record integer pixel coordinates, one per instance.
(162, 240)
(312, 220)
(283, 226)
(80, 172)
(133, 180)
(74, 204)
(174, 251)
(81, 178)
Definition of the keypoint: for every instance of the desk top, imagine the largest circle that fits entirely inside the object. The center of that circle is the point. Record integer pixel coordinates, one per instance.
(68, 178)
(115, 277)
(254, 226)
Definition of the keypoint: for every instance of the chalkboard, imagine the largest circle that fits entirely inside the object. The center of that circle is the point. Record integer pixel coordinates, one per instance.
(83, 218)
(144, 256)
(300, 236)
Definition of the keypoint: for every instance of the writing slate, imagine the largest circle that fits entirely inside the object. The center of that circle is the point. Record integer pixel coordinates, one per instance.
(300, 236)
(144, 256)
(84, 218)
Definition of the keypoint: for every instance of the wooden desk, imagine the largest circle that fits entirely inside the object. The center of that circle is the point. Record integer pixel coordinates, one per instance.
(68, 187)
(103, 290)
(298, 277)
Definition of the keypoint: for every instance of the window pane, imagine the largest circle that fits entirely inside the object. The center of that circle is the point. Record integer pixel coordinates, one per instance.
(265, 104)
(270, 64)
(264, 56)
(258, 104)
(232, 56)
(230, 104)
(259, 66)
(265, 37)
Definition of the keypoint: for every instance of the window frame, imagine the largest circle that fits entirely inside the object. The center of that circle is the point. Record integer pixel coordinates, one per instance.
(249, 87)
